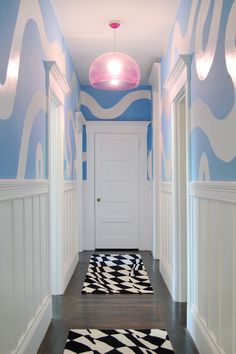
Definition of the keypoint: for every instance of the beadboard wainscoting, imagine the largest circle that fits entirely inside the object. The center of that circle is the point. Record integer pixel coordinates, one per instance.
(86, 244)
(70, 235)
(212, 262)
(25, 294)
(166, 234)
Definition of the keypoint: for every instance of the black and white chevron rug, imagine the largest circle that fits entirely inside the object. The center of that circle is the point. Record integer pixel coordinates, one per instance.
(125, 341)
(116, 274)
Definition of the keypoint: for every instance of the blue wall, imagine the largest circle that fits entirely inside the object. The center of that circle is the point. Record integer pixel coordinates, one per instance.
(30, 34)
(101, 105)
(208, 29)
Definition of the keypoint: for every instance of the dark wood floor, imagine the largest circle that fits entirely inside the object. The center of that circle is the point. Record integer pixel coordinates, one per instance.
(74, 310)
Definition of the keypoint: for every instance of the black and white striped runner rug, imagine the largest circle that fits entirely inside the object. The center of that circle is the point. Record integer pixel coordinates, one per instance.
(125, 341)
(116, 274)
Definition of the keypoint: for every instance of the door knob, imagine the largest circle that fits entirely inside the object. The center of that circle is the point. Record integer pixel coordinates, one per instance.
(98, 199)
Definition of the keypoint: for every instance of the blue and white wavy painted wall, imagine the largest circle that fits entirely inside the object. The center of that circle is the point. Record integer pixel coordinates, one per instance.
(208, 29)
(30, 34)
(100, 105)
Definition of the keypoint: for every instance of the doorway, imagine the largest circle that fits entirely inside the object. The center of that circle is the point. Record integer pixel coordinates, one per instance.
(180, 187)
(57, 88)
(125, 149)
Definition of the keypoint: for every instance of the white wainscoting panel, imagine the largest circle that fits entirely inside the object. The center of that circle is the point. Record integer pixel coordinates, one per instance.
(166, 234)
(70, 235)
(25, 298)
(212, 303)
(149, 240)
(87, 243)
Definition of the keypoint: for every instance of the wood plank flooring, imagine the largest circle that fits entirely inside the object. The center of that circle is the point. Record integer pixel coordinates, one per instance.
(158, 310)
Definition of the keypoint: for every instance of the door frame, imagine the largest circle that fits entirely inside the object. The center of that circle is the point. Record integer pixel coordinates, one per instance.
(80, 121)
(56, 89)
(180, 238)
(177, 84)
(155, 81)
(132, 127)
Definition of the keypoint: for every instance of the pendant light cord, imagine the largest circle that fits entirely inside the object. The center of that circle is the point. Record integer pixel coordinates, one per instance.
(114, 48)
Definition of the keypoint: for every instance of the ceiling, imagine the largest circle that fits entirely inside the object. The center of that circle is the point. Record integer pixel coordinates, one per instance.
(145, 25)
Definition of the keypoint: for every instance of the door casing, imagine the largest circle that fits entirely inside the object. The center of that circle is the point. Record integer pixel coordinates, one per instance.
(178, 84)
(57, 89)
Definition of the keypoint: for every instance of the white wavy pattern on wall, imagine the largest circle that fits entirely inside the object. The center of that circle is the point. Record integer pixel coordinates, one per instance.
(202, 117)
(27, 10)
(230, 44)
(39, 162)
(203, 57)
(181, 42)
(115, 111)
(75, 126)
(216, 130)
(37, 103)
(70, 119)
(204, 171)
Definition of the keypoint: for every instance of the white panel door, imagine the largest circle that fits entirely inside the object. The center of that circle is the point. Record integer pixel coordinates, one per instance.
(116, 191)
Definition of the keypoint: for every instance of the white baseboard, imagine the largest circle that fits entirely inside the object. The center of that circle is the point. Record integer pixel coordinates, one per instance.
(36, 330)
(203, 338)
(154, 253)
(68, 272)
(166, 274)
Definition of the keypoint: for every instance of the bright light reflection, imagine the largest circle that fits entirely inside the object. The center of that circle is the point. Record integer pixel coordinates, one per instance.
(13, 68)
(114, 67)
(231, 65)
(203, 64)
(114, 82)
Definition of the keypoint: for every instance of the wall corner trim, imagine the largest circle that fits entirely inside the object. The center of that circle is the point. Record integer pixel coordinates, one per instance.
(184, 61)
(54, 77)
(154, 77)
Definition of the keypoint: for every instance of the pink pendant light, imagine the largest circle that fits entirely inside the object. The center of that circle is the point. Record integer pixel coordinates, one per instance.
(114, 70)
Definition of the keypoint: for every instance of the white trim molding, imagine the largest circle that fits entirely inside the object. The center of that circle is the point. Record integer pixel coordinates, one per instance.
(166, 234)
(55, 80)
(70, 231)
(222, 191)
(31, 340)
(166, 187)
(178, 88)
(63, 196)
(155, 81)
(15, 188)
(134, 127)
(180, 74)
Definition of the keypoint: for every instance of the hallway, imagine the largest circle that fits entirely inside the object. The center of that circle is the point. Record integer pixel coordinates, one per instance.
(74, 310)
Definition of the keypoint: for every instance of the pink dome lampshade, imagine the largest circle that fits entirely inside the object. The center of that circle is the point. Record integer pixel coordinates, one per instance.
(114, 70)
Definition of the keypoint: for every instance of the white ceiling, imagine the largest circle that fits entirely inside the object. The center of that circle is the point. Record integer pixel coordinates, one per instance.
(145, 25)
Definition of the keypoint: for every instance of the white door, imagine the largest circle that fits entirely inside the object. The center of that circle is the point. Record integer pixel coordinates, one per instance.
(116, 191)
